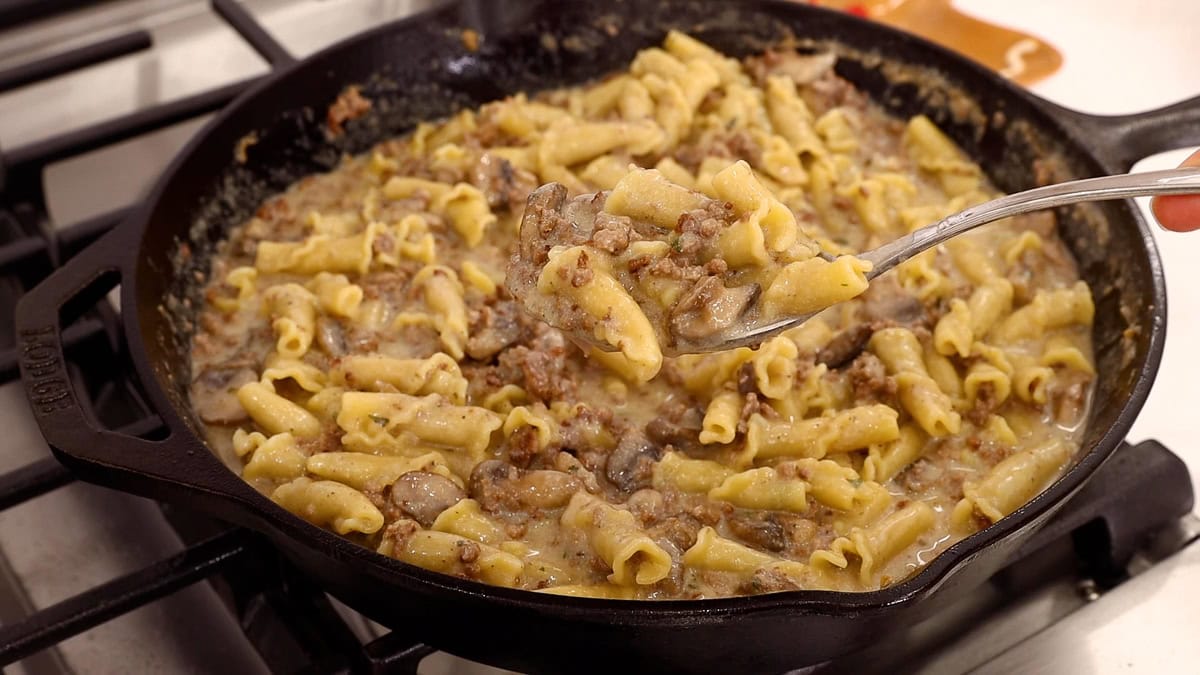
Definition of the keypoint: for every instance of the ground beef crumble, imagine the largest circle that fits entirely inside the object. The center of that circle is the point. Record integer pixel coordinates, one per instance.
(869, 380)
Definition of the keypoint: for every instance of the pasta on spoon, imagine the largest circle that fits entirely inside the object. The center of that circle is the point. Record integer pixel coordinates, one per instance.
(653, 267)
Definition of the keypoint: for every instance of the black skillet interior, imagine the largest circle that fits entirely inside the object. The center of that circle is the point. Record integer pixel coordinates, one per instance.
(419, 69)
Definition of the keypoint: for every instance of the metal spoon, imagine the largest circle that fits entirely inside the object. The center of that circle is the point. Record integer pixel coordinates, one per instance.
(884, 258)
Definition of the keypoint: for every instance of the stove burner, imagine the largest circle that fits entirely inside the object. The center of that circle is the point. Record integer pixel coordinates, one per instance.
(1138, 495)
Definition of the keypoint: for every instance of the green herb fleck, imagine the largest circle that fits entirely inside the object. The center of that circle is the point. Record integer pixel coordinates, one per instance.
(378, 419)
(677, 245)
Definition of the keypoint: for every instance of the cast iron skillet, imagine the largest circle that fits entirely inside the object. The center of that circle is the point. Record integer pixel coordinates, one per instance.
(419, 69)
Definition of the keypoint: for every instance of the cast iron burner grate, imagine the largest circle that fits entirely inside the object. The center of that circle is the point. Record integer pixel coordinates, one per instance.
(290, 621)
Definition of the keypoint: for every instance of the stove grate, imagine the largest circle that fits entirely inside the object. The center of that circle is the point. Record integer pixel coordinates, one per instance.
(88, 55)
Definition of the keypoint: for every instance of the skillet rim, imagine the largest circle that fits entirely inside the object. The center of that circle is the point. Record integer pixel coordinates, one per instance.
(261, 510)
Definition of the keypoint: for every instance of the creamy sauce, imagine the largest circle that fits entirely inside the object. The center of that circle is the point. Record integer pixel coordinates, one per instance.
(541, 493)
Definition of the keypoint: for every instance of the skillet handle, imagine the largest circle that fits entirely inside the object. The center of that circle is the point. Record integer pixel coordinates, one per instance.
(135, 464)
(1123, 140)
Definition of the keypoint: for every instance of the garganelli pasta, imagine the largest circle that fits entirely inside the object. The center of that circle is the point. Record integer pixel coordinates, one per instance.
(606, 268)
(362, 358)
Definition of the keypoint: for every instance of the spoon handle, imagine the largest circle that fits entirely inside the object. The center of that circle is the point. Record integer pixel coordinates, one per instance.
(1122, 186)
(884, 258)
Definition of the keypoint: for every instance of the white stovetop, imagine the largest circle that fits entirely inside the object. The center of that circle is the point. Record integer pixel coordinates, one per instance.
(1123, 56)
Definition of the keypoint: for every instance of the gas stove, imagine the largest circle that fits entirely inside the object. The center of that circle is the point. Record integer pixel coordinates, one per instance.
(96, 97)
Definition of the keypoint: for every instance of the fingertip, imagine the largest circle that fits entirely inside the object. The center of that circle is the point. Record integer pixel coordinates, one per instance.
(1177, 213)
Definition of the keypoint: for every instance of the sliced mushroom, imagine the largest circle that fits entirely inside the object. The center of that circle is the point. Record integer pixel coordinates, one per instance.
(490, 484)
(330, 337)
(845, 346)
(682, 436)
(499, 486)
(673, 583)
(804, 68)
(760, 530)
(545, 489)
(630, 467)
(680, 530)
(768, 580)
(885, 301)
(543, 227)
(495, 176)
(647, 504)
(747, 379)
(497, 328)
(711, 307)
(214, 394)
(580, 213)
(424, 495)
(504, 184)
(543, 223)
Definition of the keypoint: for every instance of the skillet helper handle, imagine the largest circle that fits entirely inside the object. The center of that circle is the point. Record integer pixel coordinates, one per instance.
(68, 428)
(1126, 139)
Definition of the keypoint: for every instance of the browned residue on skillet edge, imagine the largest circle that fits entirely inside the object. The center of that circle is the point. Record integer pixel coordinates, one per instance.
(349, 105)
